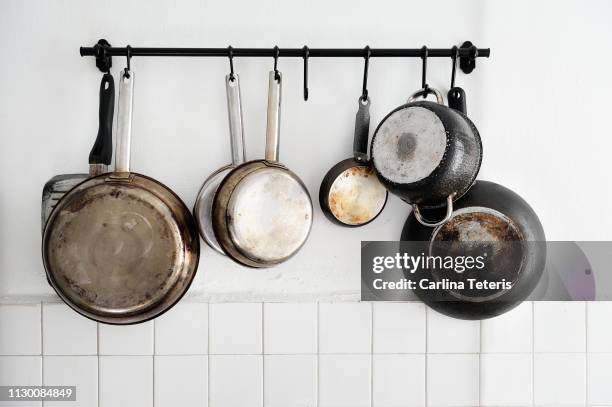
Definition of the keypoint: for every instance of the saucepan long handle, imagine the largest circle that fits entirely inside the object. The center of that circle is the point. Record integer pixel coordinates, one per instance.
(273, 126)
(124, 121)
(234, 111)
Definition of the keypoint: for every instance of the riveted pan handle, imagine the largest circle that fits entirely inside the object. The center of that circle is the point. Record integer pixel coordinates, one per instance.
(124, 122)
(362, 130)
(273, 125)
(424, 222)
(234, 112)
(426, 91)
(102, 151)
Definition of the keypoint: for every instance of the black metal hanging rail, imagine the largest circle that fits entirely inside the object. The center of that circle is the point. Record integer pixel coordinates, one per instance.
(467, 53)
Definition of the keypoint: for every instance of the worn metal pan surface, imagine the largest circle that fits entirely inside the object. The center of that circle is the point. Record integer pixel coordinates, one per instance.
(489, 219)
(350, 193)
(121, 248)
(262, 212)
(99, 157)
(202, 210)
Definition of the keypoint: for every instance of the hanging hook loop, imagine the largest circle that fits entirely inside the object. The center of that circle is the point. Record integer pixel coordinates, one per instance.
(276, 55)
(128, 54)
(424, 56)
(230, 55)
(455, 56)
(364, 89)
(306, 56)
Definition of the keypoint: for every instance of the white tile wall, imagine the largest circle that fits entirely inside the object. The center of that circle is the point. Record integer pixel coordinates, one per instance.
(309, 354)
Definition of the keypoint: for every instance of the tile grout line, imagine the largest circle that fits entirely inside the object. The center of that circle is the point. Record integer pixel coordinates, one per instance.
(263, 358)
(153, 367)
(533, 353)
(98, 357)
(208, 356)
(586, 354)
(371, 354)
(318, 373)
(42, 358)
(426, 355)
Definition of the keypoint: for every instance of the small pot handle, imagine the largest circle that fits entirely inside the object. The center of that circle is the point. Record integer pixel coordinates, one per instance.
(273, 120)
(234, 112)
(124, 122)
(426, 91)
(362, 130)
(424, 222)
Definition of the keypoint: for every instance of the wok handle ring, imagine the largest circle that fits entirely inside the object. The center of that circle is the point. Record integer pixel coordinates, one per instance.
(425, 222)
(426, 91)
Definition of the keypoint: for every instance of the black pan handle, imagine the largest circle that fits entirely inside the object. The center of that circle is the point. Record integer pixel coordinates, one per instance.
(456, 99)
(362, 130)
(102, 150)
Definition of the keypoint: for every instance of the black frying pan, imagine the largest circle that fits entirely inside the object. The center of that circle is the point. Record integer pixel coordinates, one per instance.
(491, 217)
(350, 194)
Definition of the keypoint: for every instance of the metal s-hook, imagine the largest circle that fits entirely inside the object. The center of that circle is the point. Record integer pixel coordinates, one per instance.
(306, 56)
(424, 55)
(276, 55)
(455, 51)
(364, 89)
(230, 55)
(128, 54)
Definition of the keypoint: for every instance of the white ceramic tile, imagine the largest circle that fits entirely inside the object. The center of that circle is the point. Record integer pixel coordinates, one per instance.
(505, 379)
(181, 381)
(235, 380)
(345, 327)
(559, 326)
(509, 332)
(126, 381)
(290, 380)
(65, 332)
(344, 380)
(399, 327)
(559, 379)
(79, 371)
(398, 380)
(599, 328)
(20, 371)
(290, 328)
(182, 330)
(452, 380)
(20, 329)
(600, 378)
(451, 335)
(235, 328)
(126, 339)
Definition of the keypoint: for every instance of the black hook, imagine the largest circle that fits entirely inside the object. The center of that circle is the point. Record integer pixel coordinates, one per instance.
(364, 89)
(424, 55)
(128, 54)
(230, 54)
(455, 55)
(276, 55)
(306, 56)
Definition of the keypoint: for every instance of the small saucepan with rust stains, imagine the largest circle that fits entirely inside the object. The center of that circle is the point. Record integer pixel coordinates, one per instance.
(427, 154)
(496, 239)
(350, 193)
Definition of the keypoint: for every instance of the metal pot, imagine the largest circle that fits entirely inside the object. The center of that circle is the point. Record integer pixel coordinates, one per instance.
(493, 217)
(350, 194)
(204, 202)
(427, 153)
(262, 212)
(121, 248)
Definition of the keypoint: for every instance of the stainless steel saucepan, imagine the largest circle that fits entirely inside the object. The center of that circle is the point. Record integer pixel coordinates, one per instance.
(262, 212)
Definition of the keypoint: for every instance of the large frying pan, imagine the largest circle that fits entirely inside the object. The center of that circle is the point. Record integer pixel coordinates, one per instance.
(121, 248)
(262, 212)
(487, 216)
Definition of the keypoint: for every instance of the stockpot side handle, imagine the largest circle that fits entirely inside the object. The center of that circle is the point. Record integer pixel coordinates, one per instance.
(273, 117)
(234, 112)
(102, 150)
(426, 91)
(124, 121)
(449, 213)
(362, 130)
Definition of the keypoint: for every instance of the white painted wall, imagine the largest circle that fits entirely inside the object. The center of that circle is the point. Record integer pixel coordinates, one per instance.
(543, 113)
